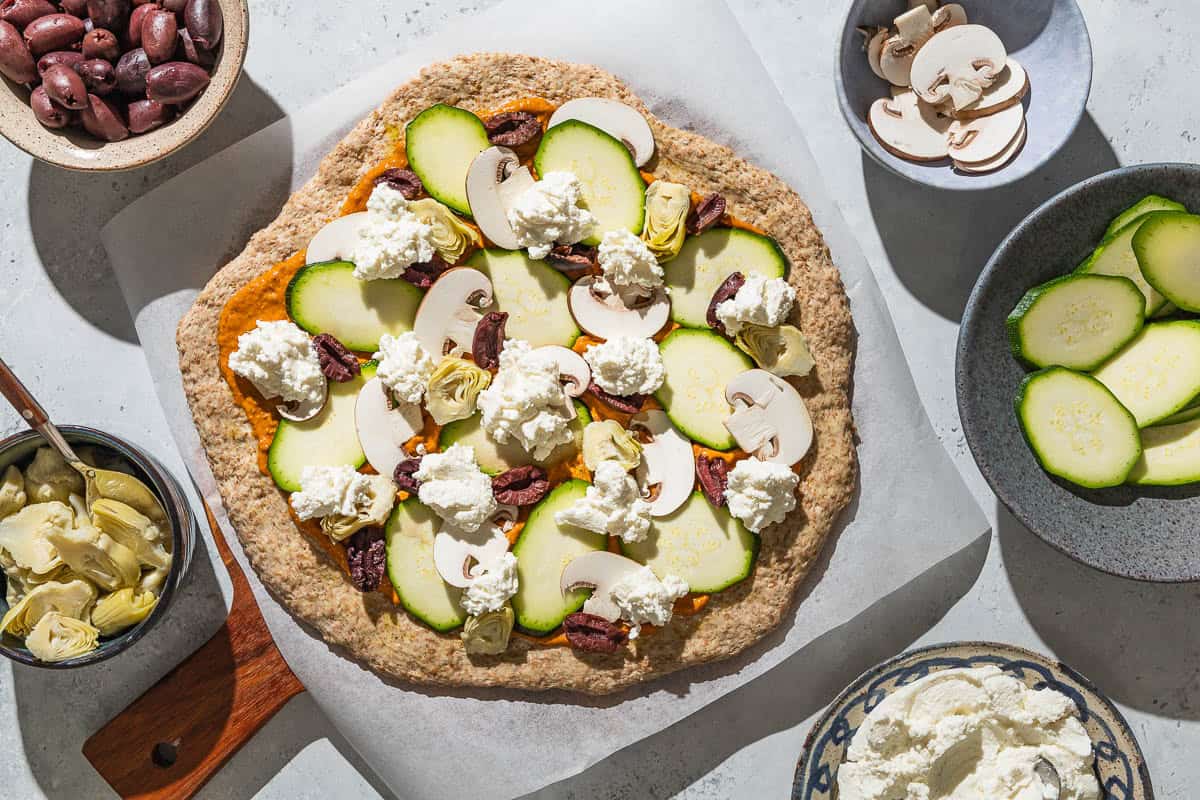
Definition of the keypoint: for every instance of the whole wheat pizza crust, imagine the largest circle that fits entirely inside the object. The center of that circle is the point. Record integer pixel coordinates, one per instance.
(369, 626)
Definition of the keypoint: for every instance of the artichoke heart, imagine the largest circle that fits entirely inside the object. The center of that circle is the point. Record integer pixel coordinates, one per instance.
(122, 609)
(12, 492)
(451, 236)
(453, 389)
(132, 492)
(487, 634)
(50, 477)
(24, 536)
(667, 207)
(71, 599)
(97, 556)
(608, 441)
(781, 351)
(57, 637)
(133, 529)
(374, 509)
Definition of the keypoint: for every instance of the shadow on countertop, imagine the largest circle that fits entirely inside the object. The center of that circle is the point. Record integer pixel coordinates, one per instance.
(939, 241)
(1139, 642)
(67, 210)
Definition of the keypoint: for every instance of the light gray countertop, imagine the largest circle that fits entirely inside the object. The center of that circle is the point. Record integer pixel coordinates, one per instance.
(64, 328)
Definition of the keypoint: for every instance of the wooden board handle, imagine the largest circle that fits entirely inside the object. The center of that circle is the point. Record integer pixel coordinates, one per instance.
(176, 736)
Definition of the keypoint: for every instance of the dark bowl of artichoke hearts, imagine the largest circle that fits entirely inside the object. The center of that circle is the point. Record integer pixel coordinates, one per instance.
(81, 579)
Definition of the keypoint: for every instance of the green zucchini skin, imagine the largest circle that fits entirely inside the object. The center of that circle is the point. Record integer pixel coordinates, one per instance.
(1147, 205)
(1174, 275)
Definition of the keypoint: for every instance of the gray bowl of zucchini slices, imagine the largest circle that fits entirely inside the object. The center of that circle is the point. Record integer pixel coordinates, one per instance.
(1078, 372)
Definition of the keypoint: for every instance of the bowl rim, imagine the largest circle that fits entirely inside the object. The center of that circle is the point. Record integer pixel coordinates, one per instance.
(971, 428)
(13, 129)
(975, 183)
(166, 486)
(1009, 652)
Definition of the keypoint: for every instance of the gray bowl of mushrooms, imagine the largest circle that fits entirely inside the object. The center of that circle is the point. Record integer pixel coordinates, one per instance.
(967, 95)
(85, 575)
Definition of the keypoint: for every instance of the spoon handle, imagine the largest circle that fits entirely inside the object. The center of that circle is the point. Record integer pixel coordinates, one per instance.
(20, 398)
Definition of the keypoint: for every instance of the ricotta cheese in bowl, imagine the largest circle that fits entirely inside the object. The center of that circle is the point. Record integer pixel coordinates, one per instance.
(968, 733)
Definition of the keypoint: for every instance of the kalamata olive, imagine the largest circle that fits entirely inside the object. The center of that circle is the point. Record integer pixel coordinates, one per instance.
(131, 72)
(108, 13)
(187, 47)
(159, 35)
(46, 112)
(98, 76)
(65, 87)
(20, 13)
(16, 62)
(204, 22)
(134, 34)
(146, 115)
(76, 8)
(53, 32)
(103, 120)
(175, 82)
(68, 57)
(175, 6)
(138, 3)
(101, 43)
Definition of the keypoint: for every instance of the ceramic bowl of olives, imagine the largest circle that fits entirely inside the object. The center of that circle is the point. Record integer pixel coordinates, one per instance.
(104, 85)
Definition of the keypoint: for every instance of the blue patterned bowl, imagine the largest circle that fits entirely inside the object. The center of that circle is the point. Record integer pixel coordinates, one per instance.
(1120, 766)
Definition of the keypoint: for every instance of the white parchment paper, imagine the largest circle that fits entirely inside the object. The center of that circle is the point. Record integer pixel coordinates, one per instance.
(690, 62)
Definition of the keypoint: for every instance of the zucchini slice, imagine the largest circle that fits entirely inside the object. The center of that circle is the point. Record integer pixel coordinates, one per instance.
(1170, 455)
(1076, 321)
(494, 458)
(533, 294)
(441, 143)
(1147, 205)
(1158, 373)
(1167, 246)
(543, 549)
(327, 298)
(328, 439)
(705, 261)
(698, 365)
(408, 536)
(1077, 429)
(1186, 414)
(704, 545)
(1115, 256)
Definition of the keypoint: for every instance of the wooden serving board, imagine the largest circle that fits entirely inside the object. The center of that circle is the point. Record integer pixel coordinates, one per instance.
(176, 736)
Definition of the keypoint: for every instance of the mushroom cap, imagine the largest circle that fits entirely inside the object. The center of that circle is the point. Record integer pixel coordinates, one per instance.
(914, 27)
(667, 461)
(572, 368)
(382, 431)
(777, 404)
(999, 161)
(450, 310)
(336, 241)
(908, 128)
(614, 118)
(600, 570)
(605, 315)
(454, 552)
(958, 63)
(1010, 88)
(299, 412)
(975, 141)
(494, 180)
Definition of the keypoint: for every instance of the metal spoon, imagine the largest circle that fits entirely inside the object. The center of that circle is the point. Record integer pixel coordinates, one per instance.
(98, 482)
(1051, 783)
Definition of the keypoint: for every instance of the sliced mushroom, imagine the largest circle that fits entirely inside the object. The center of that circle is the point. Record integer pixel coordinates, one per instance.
(958, 63)
(1007, 155)
(668, 469)
(383, 430)
(873, 41)
(932, 5)
(602, 312)
(948, 16)
(974, 141)
(614, 118)
(909, 128)
(336, 241)
(598, 570)
(914, 27)
(770, 420)
(573, 371)
(301, 411)
(455, 552)
(1009, 89)
(494, 180)
(450, 310)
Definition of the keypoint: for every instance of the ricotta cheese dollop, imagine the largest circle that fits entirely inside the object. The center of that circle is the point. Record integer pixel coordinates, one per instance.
(325, 491)
(279, 359)
(612, 505)
(393, 238)
(644, 599)
(761, 301)
(962, 734)
(760, 493)
(494, 584)
(549, 213)
(404, 366)
(628, 264)
(455, 488)
(626, 365)
(526, 402)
